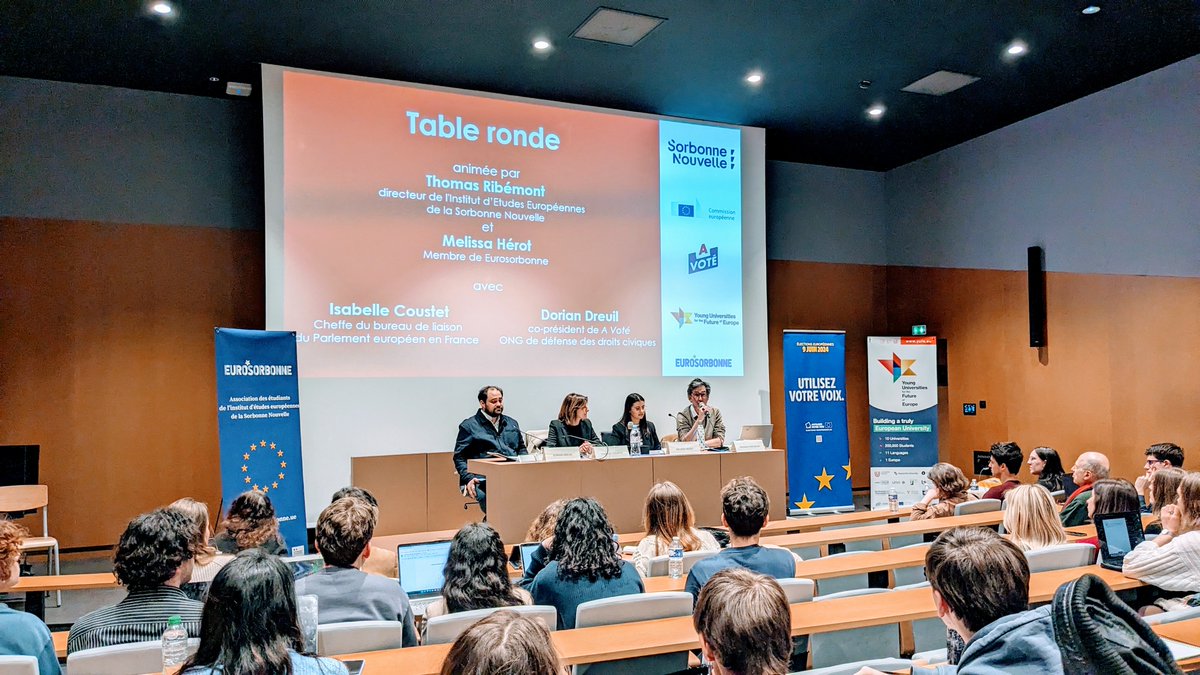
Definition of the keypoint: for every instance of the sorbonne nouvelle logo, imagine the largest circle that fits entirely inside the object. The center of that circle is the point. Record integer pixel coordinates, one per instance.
(898, 367)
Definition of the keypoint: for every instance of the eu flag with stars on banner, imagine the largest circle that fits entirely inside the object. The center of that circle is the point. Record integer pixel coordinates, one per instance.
(818, 442)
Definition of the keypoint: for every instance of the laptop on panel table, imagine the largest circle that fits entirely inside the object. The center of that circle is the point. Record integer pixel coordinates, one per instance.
(757, 432)
(421, 571)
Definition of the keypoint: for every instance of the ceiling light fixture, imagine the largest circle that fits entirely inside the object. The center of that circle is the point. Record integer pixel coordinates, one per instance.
(754, 77)
(1090, 9)
(541, 44)
(876, 111)
(162, 8)
(1016, 48)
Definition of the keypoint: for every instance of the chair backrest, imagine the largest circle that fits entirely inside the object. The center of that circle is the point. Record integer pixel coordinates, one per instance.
(539, 434)
(447, 628)
(798, 590)
(635, 607)
(18, 665)
(669, 438)
(848, 582)
(660, 565)
(126, 659)
(886, 665)
(1059, 495)
(358, 636)
(977, 506)
(846, 646)
(1061, 557)
(23, 497)
(904, 576)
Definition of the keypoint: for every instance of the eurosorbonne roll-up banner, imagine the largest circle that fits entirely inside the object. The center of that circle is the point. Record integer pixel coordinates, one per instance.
(902, 390)
(258, 421)
(818, 444)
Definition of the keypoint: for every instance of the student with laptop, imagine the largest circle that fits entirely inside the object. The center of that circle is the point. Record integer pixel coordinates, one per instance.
(345, 592)
(1171, 560)
(476, 574)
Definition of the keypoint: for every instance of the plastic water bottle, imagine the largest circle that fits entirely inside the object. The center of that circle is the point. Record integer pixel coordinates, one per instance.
(635, 439)
(174, 645)
(974, 485)
(893, 502)
(675, 562)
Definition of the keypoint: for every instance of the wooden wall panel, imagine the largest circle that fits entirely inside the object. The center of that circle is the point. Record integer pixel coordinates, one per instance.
(106, 360)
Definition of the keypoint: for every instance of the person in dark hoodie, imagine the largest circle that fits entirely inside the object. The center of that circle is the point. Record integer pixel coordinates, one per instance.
(981, 589)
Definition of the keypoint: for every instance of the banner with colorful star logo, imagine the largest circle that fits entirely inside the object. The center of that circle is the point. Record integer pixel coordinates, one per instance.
(258, 423)
(818, 442)
(902, 390)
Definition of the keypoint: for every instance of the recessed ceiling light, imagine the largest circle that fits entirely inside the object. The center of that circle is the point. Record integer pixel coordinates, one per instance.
(876, 111)
(754, 78)
(541, 44)
(1090, 9)
(1016, 48)
(163, 8)
(214, 78)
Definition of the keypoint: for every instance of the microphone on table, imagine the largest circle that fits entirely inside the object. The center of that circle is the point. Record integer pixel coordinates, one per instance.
(601, 443)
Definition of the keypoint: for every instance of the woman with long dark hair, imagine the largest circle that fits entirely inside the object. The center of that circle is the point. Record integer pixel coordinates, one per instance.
(584, 563)
(635, 414)
(249, 625)
(476, 574)
(1046, 466)
(250, 523)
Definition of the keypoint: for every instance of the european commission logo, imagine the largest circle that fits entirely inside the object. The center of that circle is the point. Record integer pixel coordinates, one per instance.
(704, 259)
(898, 367)
(683, 209)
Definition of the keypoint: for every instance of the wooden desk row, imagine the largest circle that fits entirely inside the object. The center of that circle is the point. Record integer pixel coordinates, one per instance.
(664, 636)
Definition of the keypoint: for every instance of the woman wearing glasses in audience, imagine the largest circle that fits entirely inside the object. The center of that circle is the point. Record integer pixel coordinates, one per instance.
(476, 574)
(1046, 466)
(573, 426)
(1031, 518)
(668, 514)
(249, 623)
(949, 490)
(635, 415)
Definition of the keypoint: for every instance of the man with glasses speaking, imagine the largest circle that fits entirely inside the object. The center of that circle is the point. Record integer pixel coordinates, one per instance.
(700, 421)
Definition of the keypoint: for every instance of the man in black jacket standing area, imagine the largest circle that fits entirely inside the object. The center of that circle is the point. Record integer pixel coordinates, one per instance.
(487, 431)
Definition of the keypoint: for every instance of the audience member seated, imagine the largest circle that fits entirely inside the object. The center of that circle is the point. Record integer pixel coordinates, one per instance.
(744, 624)
(1089, 468)
(250, 523)
(981, 590)
(1005, 463)
(744, 510)
(382, 561)
(153, 559)
(541, 529)
(476, 574)
(344, 592)
(1031, 518)
(21, 634)
(668, 514)
(1161, 491)
(1110, 495)
(1158, 456)
(1046, 466)
(1171, 561)
(503, 643)
(584, 563)
(206, 561)
(949, 490)
(635, 413)
(250, 623)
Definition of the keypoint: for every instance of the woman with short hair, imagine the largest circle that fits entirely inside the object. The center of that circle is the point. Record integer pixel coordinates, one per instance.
(668, 514)
(949, 490)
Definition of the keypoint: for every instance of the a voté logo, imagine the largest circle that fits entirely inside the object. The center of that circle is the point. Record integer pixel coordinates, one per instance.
(704, 259)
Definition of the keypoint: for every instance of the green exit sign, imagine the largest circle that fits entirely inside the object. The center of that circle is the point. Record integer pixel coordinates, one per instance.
(919, 329)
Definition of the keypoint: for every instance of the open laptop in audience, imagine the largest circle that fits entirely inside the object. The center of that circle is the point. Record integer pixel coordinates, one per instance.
(421, 569)
(1119, 533)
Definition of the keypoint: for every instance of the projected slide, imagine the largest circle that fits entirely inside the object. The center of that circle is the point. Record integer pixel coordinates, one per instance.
(428, 233)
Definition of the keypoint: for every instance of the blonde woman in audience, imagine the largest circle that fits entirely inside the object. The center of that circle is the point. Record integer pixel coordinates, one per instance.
(250, 523)
(949, 490)
(21, 633)
(1031, 518)
(1171, 560)
(1161, 490)
(668, 514)
(207, 560)
(503, 643)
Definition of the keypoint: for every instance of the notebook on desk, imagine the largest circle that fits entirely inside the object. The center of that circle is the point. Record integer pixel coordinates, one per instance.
(421, 571)
(1119, 533)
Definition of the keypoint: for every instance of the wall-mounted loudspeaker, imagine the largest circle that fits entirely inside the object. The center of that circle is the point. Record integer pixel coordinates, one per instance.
(1037, 297)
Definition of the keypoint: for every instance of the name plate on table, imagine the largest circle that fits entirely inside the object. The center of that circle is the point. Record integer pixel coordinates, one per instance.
(611, 451)
(755, 445)
(684, 447)
(562, 454)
